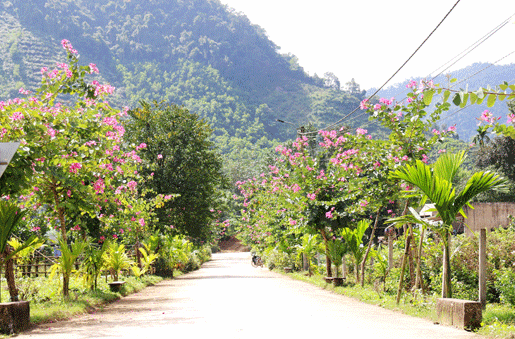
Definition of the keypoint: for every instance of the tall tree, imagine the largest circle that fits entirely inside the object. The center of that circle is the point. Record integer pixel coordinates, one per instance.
(183, 161)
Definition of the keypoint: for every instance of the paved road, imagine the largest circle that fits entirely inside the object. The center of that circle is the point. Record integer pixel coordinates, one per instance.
(228, 298)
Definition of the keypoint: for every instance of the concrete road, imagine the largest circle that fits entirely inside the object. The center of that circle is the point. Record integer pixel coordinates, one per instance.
(228, 298)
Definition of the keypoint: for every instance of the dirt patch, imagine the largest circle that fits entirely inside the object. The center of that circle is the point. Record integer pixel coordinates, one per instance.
(233, 245)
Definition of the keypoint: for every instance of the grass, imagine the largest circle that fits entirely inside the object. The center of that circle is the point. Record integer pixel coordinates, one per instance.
(48, 305)
(498, 320)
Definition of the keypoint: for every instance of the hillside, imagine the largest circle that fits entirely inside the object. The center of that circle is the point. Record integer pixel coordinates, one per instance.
(196, 53)
(472, 77)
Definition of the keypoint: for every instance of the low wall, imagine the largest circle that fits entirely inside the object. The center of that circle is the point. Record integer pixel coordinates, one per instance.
(488, 215)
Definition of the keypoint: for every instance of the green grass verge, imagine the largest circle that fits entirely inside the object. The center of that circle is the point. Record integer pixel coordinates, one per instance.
(44, 309)
(498, 320)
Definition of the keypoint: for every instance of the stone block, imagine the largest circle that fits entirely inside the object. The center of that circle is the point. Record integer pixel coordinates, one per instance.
(464, 314)
(14, 317)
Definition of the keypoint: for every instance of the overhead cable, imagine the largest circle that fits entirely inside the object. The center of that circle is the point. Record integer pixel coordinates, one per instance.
(394, 74)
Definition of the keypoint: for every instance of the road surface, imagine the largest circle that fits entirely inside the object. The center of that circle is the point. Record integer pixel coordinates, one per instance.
(227, 298)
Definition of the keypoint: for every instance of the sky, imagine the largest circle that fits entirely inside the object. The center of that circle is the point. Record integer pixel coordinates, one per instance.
(369, 40)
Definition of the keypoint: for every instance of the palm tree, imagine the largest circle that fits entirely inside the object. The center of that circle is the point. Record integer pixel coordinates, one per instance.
(436, 184)
(481, 138)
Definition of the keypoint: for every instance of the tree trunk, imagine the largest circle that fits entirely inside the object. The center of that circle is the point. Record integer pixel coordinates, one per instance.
(419, 283)
(446, 269)
(365, 257)
(327, 258)
(138, 254)
(9, 277)
(403, 266)
(60, 212)
(412, 273)
(66, 285)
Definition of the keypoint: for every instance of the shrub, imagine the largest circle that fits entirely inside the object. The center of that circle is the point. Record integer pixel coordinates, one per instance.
(504, 284)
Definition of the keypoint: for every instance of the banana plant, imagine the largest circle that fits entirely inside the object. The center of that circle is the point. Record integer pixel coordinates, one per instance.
(10, 217)
(435, 183)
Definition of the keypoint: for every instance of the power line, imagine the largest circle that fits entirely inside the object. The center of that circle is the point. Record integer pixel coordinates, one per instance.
(482, 70)
(471, 76)
(465, 52)
(473, 46)
(404, 64)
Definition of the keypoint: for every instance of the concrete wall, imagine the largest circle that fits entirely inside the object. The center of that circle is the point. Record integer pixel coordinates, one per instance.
(488, 215)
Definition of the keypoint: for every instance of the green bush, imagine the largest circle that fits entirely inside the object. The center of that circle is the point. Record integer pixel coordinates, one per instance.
(504, 284)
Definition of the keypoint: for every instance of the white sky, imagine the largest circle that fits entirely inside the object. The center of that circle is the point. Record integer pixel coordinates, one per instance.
(370, 39)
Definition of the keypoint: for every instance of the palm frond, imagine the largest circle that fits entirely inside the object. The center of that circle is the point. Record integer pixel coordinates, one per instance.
(478, 183)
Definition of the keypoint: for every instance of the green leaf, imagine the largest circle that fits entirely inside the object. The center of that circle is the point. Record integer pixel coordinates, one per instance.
(453, 80)
(473, 98)
(428, 97)
(457, 99)
(464, 99)
(503, 86)
(491, 100)
(446, 95)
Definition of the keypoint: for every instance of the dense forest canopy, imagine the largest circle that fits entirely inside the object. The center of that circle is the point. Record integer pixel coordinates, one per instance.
(196, 53)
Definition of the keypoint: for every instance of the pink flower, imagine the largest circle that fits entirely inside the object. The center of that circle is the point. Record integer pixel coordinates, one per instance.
(68, 46)
(412, 84)
(361, 131)
(442, 151)
(452, 129)
(69, 193)
(363, 104)
(132, 184)
(16, 116)
(293, 222)
(142, 222)
(93, 69)
(160, 156)
(74, 167)
(99, 186)
(363, 203)
(329, 215)
(312, 196)
(121, 231)
(511, 118)
(142, 145)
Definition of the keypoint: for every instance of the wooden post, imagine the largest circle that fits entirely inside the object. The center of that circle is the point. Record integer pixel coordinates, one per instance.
(305, 262)
(403, 266)
(482, 267)
(391, 236)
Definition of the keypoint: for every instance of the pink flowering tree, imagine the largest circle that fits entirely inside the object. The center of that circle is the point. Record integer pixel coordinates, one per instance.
(72, 142)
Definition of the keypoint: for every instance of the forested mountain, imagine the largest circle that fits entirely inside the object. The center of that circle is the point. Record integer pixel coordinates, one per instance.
(196, 53)
(472, 77)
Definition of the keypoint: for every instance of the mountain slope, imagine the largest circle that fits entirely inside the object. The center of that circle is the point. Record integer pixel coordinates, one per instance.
(197, 53)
